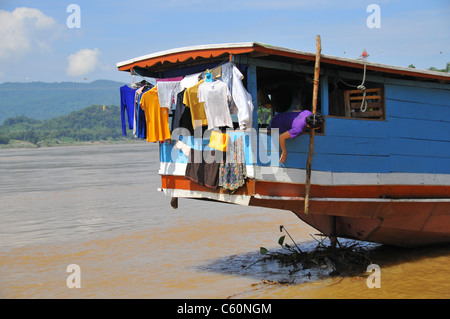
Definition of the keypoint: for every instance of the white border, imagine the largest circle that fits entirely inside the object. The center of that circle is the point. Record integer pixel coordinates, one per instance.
(234, 199)
(360, 200)
(296, 176)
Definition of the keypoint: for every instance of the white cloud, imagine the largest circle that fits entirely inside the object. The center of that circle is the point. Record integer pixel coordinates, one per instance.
(83, 62)
(25, 30)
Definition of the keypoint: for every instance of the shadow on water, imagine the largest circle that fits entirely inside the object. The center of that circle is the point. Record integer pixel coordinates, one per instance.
(272, 271)
(386, 255)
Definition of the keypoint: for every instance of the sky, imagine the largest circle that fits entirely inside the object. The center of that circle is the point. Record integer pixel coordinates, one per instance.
(78, 40)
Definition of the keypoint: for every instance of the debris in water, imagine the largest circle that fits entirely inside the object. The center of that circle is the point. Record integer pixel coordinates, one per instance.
(347, 259)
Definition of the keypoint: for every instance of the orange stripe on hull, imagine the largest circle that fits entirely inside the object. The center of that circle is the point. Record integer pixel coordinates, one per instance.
(353, 191)
(180, 182)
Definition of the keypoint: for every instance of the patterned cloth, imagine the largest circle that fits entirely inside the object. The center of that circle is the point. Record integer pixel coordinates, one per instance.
(232, 171)
(264, 115)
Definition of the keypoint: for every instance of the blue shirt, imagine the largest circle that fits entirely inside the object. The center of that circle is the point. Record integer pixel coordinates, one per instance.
(141, 123)
(127, 96)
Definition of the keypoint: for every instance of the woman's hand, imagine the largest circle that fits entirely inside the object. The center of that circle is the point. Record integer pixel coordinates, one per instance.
(283, 138)
(283, 157)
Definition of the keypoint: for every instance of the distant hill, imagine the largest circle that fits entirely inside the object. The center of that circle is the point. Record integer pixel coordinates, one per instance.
(43, 100)
(92, 123)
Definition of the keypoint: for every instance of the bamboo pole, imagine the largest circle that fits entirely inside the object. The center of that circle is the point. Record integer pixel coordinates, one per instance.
(311, 139)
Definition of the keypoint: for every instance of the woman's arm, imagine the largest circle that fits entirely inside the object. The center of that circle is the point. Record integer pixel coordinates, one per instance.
(283, 138)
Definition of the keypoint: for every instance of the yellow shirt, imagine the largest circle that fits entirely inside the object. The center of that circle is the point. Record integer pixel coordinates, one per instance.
(157, 117)
(190, 99)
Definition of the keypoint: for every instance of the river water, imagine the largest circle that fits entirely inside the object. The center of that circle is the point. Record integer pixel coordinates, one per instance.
(98, 207)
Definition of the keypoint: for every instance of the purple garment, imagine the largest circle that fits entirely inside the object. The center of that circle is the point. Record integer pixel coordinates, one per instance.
(294, 122)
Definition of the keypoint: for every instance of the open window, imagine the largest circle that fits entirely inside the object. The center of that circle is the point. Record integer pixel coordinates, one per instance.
(284, 91)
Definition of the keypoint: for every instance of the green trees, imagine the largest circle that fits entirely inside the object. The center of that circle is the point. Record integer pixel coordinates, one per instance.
(93, 123)
(4, 139)
(447, 68)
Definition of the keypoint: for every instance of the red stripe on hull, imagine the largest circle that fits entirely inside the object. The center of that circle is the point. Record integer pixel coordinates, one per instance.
(353, 191)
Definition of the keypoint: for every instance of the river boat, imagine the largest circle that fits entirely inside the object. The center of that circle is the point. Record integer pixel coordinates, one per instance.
(381, 165)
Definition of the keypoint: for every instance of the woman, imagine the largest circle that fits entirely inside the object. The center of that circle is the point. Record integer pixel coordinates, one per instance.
(293, 124)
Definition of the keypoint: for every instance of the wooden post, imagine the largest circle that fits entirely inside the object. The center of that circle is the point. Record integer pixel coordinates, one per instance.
(311, 139)
(252, 88)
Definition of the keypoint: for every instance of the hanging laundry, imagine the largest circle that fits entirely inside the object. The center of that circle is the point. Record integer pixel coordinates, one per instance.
(216, 97)
(242, 99)
(157, 118)
(167, 92)
(136, 102)
(140, 129)
(137, 98)
(219, 141)
(203, 167)
(190, 99)
(182, 115)
(232, 171)
(226, 75)
(127, 95)
(190, 80)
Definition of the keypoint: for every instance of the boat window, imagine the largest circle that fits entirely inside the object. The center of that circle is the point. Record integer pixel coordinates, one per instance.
(347, 100)
(283, 91)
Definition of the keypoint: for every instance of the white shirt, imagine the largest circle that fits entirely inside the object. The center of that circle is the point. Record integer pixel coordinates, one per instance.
(242, 99)
(189, 80)
(215, 96)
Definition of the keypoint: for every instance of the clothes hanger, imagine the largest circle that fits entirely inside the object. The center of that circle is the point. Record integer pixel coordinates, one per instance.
(208, 76)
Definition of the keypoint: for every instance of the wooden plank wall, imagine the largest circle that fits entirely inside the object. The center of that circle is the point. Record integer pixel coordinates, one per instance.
(419, 127)
(414, 138)
(348, 146)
